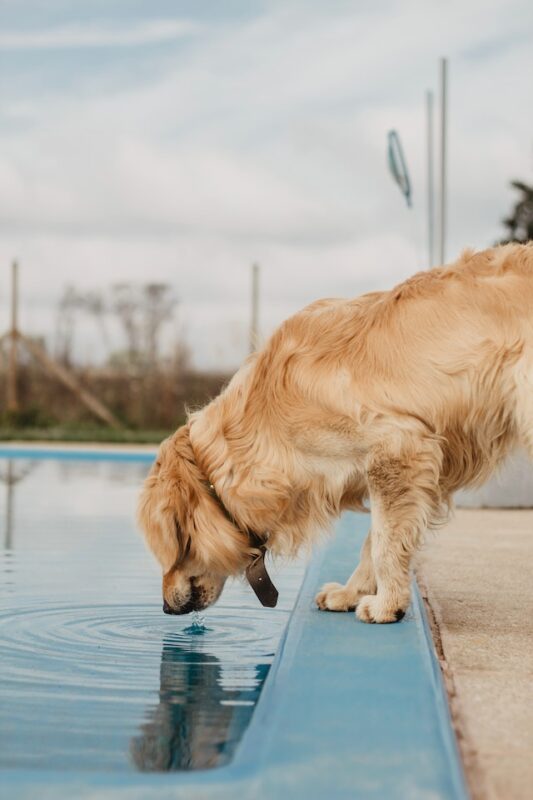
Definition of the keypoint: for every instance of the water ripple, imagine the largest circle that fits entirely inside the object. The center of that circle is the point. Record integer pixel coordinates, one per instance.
(90, 644)
(94, 675)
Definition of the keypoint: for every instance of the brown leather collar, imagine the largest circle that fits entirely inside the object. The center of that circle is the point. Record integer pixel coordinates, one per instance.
(257, 575)
(256, 571)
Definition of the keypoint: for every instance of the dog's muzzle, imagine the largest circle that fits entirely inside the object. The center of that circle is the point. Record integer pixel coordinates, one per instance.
(186, 609)
(193, 604)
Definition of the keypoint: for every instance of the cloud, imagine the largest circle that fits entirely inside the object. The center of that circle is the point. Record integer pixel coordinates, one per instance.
(211, 278)
(264, 140)
(87, 36)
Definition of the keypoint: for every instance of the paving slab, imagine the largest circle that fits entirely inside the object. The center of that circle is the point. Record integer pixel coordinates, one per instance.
(476, 575)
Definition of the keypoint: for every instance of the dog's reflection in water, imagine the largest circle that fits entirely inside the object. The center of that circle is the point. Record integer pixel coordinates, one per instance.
(197, 723)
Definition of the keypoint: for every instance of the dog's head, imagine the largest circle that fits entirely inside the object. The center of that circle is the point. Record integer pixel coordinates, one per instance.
(196, 543)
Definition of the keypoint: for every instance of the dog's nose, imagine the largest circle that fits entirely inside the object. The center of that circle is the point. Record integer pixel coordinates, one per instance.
(167, 609)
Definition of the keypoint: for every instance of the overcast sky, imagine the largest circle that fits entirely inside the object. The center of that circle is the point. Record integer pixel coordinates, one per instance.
(181, 141)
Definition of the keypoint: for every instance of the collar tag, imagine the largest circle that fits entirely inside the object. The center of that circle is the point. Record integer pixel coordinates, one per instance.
(260, 581)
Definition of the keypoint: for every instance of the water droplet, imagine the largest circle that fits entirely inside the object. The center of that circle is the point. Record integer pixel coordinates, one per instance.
(197, 626)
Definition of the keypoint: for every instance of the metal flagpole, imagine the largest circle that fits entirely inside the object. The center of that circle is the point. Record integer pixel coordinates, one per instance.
(430, 188)
(254, 321)
(443, 154)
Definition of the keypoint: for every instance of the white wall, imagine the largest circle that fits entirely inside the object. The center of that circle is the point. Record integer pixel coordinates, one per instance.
(512, 487)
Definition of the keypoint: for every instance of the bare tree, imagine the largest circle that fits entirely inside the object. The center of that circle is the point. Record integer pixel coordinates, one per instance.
(70, 304)
(142, 311)
(159, 303)
(95, 305)
(65, 325)
(127, 306)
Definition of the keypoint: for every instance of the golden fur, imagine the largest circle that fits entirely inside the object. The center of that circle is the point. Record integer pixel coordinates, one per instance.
(398, 398)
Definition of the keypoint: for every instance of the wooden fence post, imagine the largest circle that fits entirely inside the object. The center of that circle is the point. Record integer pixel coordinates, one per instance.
(12, 395)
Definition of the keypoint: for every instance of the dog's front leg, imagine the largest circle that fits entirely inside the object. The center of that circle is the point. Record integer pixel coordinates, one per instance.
(404, 496)
(344, 597)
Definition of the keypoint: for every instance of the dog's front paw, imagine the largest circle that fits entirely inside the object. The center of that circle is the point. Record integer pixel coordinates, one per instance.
(373, 608)
(335, 597)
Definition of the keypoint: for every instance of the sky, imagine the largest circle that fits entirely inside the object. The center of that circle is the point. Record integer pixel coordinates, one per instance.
(180, 142)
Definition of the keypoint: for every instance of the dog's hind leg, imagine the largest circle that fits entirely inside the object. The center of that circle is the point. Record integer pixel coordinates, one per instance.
(344, 597)
(405, 498)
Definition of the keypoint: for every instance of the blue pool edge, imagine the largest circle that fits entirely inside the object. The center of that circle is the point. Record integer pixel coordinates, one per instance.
(79, 452)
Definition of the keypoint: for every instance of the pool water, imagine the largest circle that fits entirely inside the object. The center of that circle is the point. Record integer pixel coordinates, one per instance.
(93, 675)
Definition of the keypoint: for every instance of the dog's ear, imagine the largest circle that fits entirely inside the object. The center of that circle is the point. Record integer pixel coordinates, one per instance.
(180, 518)
(157, 518)
(158, 522)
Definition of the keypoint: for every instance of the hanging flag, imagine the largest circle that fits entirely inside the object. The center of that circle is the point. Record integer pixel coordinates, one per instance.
(397, 165)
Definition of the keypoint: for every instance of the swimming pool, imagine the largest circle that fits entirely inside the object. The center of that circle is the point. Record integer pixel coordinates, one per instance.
(94, 675)
(102, 697)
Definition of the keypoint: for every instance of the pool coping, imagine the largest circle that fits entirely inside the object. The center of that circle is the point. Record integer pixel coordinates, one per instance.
(78, 451)
(347, 709)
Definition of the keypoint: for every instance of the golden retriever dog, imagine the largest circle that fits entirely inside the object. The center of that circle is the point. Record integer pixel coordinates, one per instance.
(395, 399)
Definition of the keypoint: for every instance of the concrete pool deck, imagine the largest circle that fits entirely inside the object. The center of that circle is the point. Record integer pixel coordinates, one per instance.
(476, 574)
